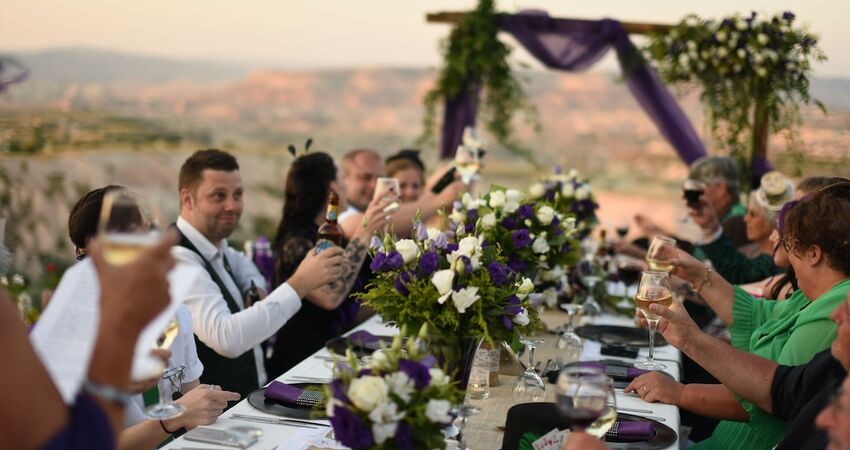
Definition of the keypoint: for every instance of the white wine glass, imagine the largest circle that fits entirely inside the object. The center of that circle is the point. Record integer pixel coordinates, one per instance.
(661, 250)
(466, 163)
(128, 224)
(388, 189)
(654, 288)
(165, 408)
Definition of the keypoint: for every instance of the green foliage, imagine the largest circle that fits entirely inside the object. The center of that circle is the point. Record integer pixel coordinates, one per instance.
(474, 56)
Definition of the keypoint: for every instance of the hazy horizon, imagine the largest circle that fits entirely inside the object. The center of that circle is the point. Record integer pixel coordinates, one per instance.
(338, 34)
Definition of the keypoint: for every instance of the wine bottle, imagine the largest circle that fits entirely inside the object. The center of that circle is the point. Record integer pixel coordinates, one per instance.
(330, 233)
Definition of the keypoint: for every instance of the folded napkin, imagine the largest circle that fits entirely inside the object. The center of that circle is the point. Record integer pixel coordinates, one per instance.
(292, 395)
(365, 339)
(617, 372)
(631, 431)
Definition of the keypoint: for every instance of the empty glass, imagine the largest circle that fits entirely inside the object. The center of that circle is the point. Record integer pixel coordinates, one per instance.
(661, 250)
(590, 274)
(570, 343)
(165, 408)
(654, 288)
(464, 412)
(529, 387)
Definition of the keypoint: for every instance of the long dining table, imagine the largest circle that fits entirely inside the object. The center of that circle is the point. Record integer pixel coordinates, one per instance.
(484, 430)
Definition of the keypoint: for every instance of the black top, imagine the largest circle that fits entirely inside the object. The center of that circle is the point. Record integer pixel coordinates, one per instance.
(800, 393)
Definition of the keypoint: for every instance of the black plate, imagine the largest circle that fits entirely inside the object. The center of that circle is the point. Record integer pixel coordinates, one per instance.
(540, 418)
(258, 400)
(338, 345)
(619, 383)
(615, 334)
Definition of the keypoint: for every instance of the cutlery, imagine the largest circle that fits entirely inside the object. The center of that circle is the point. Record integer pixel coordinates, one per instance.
(310, 379)
(647, 411)
(274, 421)
(305, 422)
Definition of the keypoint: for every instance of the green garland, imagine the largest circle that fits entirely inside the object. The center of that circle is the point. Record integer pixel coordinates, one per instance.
(474, 56)
(750, 70)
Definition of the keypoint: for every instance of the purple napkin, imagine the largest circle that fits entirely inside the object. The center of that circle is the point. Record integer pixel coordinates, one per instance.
(365, 339)
(632, 431)
(618, 372)
(283, 392)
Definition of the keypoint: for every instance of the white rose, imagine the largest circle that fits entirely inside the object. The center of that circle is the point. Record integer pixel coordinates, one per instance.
(536, 190)
(468, 201)
(367, 392)
(572, 174)
(468, 246)
(761, 72)
(437, 411)
(568, 190)
(512, 198)
(741, 53)
(464, 298)
(438, 377)
(379, 361)
(433, 233)
(461, 230)
(525, 286)
(457, 216)
(550, 297)
(442, 280)
(489, 221)
(763, 39)
(721, 36)
(741, 24)
(582, 193)
(383, 431)
(497, 199)
(400, 384)
(408, 249)
(521, 319)
(722, 52)
(545, 215)
(540, 246)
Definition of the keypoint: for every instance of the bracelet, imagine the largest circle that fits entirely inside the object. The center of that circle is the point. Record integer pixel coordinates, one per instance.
(706, 279)
(105, 392)
(179, 430)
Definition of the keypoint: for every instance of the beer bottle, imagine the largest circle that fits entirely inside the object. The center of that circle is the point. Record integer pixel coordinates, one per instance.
(330, 233)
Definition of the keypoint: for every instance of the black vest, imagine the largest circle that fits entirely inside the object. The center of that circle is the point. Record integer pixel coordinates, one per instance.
(232, 374)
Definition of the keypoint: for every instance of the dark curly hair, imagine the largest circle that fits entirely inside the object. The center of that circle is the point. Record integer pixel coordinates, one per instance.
(823, 219)
(82, 222)
(306, 192)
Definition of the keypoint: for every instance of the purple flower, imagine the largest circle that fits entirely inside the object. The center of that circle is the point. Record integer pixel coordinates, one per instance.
(451, 247)
(508, 323)
(525, 212)
(520, 238)
(514, 305)
(467, 264)
(516, 265)
(404, 436)
(400, 282)
(514, 300)
(509, 223)
(338, 390)
(428, 263)
(429, 361)
(375, 243)
(472, 217)
(378, 262)
(350, 429)
(394, 261)
(420, 230)
(497, 273)
(536, 299)
(416, 371)
(788, 16)
(565, 248)
(441, 241)
(558, 169)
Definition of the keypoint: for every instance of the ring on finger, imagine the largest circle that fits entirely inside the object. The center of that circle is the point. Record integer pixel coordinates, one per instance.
(645, 389)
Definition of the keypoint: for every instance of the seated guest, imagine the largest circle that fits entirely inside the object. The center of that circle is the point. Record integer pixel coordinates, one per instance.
(329, 312)
(228, 326)
(33, 415)
(815, 235)
(203, 405)
(406, 167)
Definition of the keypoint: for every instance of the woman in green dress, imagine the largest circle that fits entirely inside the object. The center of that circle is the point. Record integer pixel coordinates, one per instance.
(816, 235)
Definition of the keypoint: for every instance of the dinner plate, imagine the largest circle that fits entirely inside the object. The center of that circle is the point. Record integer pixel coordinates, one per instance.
(258, 400)
(615, 334)
(540, 418)
(339, 344)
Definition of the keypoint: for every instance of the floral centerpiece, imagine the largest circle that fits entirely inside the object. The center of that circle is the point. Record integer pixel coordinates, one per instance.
(570, 195)
(460, 289)
(399, 401)
(538, 240)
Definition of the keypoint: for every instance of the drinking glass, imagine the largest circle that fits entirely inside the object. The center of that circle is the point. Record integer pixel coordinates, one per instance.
(529, 387)
(466, 163)
(661, 250)
(165, 408)
(388, 188)
(590, 274)
(570, 343)
(585, 397)
(629, 271)
(464, 412)
(654, 288)
(622, 228)
(128, 224)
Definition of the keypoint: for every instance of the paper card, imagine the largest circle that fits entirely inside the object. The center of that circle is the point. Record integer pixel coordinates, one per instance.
(546, 441)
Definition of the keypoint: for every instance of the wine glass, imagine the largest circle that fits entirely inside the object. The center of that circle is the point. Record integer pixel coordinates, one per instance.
(661, 250)
(464, 412)
(466, 163)
(622, 228)
(585, 397)
(529, 387)
(590, 274)
(165, 408)
(654, 288)
(570, 343)
(128, 224)
(388, 188)
(629, 270)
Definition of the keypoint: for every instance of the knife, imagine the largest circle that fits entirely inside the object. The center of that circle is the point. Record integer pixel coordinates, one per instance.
(273, 420)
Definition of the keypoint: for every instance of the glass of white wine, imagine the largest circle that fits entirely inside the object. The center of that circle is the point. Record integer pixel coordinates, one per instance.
(128, 224)
(654, 288)
(466, 163)
(661, 250)
(388, 188)
(165, 408)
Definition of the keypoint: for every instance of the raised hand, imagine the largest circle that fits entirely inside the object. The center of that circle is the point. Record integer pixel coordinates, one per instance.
(317, 270)
(676, 325)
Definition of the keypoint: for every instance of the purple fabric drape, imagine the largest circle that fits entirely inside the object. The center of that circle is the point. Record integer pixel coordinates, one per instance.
(575, 45)
(11, 72)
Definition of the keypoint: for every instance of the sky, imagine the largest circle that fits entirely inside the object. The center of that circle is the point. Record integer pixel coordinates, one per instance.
(344, 33)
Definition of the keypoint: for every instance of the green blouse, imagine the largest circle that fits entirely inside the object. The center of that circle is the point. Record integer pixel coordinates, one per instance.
(789, 332)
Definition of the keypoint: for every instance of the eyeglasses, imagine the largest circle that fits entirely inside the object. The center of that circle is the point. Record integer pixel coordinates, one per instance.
(787, 245)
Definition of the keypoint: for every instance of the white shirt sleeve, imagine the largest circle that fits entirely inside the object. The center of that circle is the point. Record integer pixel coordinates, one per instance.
(244, 270)
(187, 355)
(229, 334)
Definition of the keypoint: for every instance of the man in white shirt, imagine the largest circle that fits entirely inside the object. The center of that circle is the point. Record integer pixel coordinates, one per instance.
(361, 169)
(229, 331)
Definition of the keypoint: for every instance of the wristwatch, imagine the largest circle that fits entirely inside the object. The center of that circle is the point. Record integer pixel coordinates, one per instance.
(106, 392)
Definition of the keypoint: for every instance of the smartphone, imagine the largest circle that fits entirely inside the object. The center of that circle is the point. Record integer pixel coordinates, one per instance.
(220, 437)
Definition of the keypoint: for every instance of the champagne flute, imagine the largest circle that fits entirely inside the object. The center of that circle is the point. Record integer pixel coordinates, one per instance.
(466, 163)
(590, 274)
(661, 250)
(585, 397)
(529, 387)
(165, 408)
(569, 344)
(127, 226)
(388, 188)
(654, 288)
